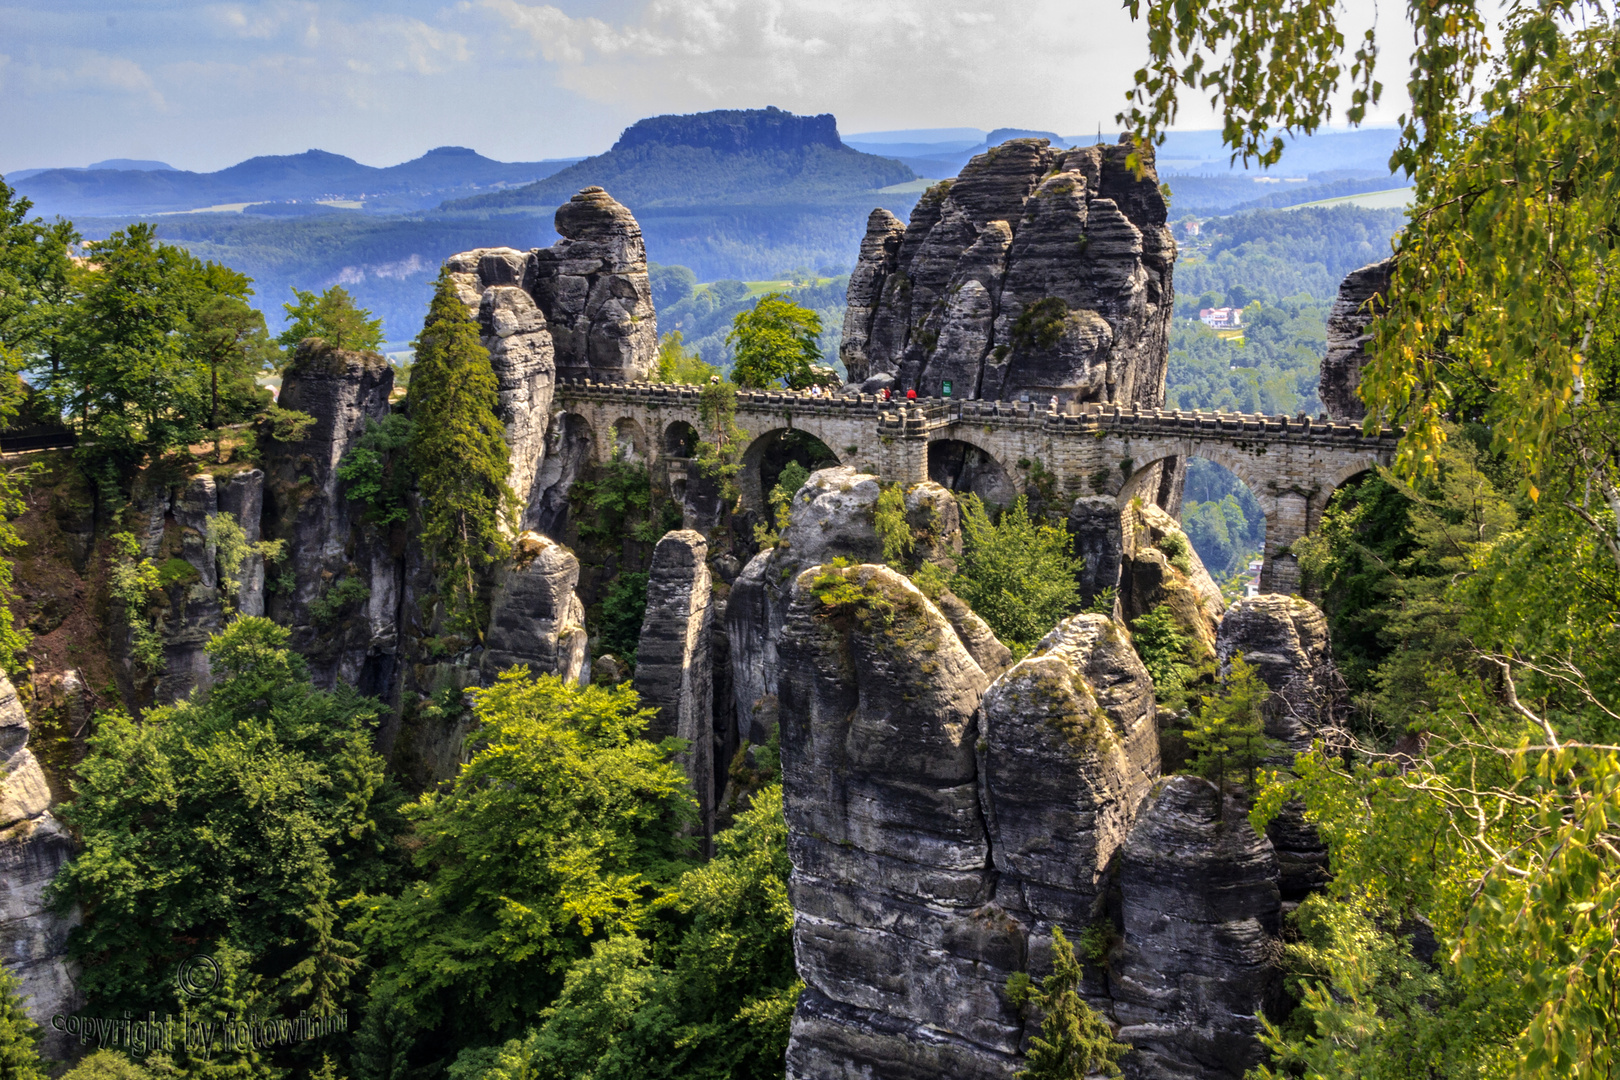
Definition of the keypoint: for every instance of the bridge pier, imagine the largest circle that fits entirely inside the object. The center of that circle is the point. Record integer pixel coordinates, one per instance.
(903, 439)
(1292, 520)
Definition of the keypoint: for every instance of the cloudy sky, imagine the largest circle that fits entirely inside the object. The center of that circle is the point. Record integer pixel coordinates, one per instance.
(204, 85)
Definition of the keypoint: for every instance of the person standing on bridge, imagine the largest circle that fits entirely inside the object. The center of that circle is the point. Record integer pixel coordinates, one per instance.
(911, 395)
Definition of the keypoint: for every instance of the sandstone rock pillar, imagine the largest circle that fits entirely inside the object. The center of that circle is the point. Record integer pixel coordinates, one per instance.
(33, 847)
(536, 619)
(1201, 917)
(673, 672)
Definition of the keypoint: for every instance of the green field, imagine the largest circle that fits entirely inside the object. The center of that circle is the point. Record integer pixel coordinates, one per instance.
(1393, 199)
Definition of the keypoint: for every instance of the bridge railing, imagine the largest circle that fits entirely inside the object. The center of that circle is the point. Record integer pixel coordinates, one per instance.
(934, 412)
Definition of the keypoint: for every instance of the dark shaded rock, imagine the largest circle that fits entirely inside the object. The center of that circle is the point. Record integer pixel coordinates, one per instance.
(1201, 916)
(879, 248)
(592, 287)
(243, 499)
(673, 659)
(896, 936)
(1094, 525)
(33, 847)
(326, 540)
(195, 612)
(536, 619)
(1035, 271)
(1286, 639)
(1348, 334)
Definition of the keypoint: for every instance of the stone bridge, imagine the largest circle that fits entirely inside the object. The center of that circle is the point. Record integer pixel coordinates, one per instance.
(1291, 464)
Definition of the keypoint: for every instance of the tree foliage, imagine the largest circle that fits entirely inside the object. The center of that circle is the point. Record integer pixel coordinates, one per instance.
(240, 820)
(19, 1035)
(333, 317)
(776, 341)
(1018, 574)
(459, 455)
(1075, 1042)
(562, 831)
(1229, 732)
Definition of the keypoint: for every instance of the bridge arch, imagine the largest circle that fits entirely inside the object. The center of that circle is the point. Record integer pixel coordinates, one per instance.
(680, 440)
(961, 464)
(769, 452)
(630, 440)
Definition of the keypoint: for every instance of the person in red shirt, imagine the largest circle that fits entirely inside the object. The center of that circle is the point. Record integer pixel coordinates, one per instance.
(911, 395)
(885, 393)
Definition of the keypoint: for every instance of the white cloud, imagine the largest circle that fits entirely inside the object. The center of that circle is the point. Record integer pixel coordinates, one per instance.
(869, 61)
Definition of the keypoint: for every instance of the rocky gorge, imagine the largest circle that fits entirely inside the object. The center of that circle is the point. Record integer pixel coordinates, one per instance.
(949, 804)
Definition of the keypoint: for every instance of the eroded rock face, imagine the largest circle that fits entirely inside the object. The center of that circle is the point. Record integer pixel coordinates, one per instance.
(831, 517)
(1094, 526)
(1201, 917)
(536, 619)
(1069, 746)
(33, 846)
(514, 330)
(579, 309)
(1286, 639)
(592, 286)
(1348, 334)
(1036, 271)
(879, 249)
(673, 658)
(326, 539)
(895, 932)
(1159, 566)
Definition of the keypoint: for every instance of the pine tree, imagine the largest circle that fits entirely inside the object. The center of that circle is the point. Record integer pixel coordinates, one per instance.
(460, 456)
(1230, 731)
(1075, 1041)
(19, 1035)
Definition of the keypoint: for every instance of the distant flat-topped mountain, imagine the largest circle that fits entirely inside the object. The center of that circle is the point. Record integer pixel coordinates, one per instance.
(313, 177)
(759, 157)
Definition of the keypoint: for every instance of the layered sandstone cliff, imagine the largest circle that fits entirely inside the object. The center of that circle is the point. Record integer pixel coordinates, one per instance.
(1349, 332)
(1037, 272)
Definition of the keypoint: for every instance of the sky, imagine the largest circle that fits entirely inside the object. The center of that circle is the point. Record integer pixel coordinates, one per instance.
(205, 85)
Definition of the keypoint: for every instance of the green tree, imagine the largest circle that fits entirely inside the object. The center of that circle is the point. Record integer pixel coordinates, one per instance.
(333, 317)
(141, 346)
(229, 337)
(775, 340)
(1016, 573)
(1163, 649)
(107, 1065)
(709, 998)
(1075, 1042)
(19, 1035)
(376, 468)
(36, 286)
(1230, 730)
(677, 364)
(561, 831)
(459, 455)
(238, 819)
(721, 442)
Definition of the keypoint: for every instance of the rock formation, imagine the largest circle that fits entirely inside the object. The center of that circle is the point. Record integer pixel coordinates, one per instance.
(1035, 272)
(1348, 333)
(1159, 566)
(1095, 527)
(343, 629)
(33, 846)
(536, 620)
(895, 933)
(1201, 915)
(592, 286)
(1068, 748)
(1286, 639)
(581, 309)
(514, 330)
(673, 657)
